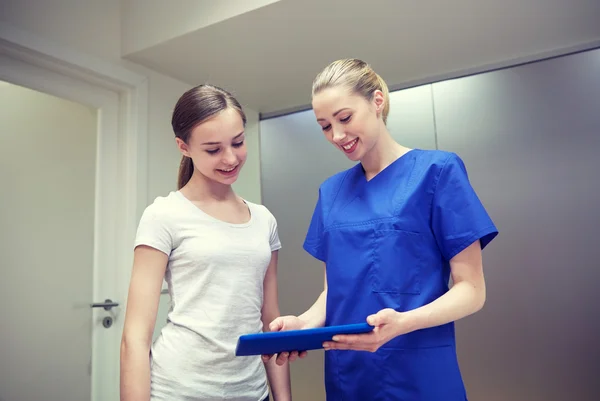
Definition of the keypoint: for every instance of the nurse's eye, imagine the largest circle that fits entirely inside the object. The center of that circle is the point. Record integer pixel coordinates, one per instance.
(326, 128)
(212, 151)
(346, 119)
(238, 144)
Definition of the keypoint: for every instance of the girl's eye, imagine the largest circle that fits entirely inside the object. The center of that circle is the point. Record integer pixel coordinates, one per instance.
(237, 145)
(212, 151)
(345, 119)
(326, 128)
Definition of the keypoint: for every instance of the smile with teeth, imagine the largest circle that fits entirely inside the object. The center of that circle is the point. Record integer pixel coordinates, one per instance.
(350, 145)
(230, 171)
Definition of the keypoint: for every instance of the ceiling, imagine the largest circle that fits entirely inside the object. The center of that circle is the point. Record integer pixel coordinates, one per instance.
(268, 54)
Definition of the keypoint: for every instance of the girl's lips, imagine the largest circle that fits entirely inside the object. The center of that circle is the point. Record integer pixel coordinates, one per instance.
(229, 173)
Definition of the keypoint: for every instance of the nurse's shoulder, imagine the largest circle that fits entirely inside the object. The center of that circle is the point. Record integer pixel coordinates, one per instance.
(436, 158)
(433, 163)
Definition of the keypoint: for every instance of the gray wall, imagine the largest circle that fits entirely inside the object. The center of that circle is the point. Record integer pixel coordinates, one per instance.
(529, 136)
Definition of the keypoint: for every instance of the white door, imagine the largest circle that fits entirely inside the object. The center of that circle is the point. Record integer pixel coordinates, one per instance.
(51, 269)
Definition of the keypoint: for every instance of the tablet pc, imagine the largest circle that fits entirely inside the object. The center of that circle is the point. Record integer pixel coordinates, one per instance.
(275, 342)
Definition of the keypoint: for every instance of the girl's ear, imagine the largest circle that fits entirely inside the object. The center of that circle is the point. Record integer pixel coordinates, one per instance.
(183, 147)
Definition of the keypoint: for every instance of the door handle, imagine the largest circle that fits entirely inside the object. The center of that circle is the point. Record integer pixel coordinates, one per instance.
(108, 304)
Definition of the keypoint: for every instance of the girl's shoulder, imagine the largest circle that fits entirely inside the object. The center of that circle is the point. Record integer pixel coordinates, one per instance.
(260, 211)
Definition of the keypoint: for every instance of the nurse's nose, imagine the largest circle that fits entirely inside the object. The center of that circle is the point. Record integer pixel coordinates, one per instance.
(338, 135)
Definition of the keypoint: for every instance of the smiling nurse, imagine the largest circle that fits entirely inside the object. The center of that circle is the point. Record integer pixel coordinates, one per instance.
(392, 231)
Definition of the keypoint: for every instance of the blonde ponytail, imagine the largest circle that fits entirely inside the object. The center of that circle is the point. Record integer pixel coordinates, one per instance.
(356, 75)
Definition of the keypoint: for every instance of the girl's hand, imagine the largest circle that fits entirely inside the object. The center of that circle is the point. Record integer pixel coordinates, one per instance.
(284, 323)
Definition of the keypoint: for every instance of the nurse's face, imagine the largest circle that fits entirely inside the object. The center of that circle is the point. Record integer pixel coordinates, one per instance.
(349, 121)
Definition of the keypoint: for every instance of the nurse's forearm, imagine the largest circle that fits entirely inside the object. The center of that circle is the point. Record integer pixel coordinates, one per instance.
(466, 296)
(462, 300)
(315, 316)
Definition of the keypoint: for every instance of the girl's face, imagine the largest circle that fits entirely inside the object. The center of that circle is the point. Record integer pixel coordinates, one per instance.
(350, 122)
(217, 147)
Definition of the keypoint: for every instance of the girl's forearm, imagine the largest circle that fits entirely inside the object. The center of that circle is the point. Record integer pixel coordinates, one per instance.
(279, 380)
(135, 372)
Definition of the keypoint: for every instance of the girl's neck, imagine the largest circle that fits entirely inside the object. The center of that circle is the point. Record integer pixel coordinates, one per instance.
(384, 153)
(201, 189)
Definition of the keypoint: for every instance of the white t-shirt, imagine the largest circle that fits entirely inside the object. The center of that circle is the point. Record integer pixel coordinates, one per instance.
(215, 276)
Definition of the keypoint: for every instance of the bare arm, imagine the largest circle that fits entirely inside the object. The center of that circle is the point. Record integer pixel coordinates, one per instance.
(142, 305)
(315, 315)
(466, 297)
(279, 376)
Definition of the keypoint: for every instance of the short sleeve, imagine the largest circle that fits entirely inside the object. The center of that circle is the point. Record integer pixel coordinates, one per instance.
(154, 232)
(274, 240)
(313, 243)
(458, 216)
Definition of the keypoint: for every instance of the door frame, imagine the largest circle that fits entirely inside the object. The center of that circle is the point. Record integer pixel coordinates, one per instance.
(121, 98)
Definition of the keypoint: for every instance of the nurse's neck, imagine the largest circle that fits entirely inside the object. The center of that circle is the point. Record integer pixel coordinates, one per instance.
(384, 153)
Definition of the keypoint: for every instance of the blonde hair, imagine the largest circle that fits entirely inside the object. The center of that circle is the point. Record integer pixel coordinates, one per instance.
(356, 75)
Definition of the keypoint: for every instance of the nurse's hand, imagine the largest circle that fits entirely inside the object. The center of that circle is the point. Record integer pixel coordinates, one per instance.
(388, 324)
(284, 323)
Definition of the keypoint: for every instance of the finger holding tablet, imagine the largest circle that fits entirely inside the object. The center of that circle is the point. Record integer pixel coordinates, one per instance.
(285, 323)
(289, 340)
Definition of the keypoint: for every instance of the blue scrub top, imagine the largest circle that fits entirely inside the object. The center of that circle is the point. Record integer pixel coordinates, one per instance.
(386, 243)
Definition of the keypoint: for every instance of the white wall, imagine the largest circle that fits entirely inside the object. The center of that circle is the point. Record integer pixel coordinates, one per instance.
(149, 23)
(94, 28)
(248, 184)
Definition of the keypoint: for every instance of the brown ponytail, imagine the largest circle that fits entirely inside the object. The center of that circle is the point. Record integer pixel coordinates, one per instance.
(194, 107)
(186, 169)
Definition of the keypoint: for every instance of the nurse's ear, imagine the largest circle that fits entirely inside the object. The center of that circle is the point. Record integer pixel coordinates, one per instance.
(379, 102)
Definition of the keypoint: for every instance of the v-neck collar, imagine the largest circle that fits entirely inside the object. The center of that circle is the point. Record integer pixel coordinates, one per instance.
(363, 175)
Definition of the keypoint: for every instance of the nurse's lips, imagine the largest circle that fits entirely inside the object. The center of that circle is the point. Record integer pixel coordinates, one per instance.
(349, 147)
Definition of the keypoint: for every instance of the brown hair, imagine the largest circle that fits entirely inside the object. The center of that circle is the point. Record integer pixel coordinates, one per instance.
(195, 107)
(356, 75)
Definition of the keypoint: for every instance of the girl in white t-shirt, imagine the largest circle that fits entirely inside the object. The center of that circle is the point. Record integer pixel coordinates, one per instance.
(218, 255)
